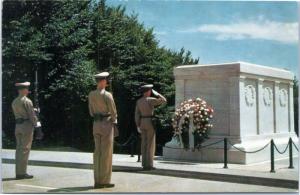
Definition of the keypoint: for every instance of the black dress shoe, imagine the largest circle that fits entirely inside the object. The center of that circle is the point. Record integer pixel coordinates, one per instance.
(97, 186)
(148, 168)
(110, 185)
(25, 176)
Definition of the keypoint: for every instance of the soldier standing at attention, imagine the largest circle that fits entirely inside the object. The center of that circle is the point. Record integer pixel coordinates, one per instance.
(26, 120)
(143, 119)
(102, 108)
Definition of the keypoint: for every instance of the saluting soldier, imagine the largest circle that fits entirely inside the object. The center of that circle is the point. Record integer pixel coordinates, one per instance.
(103, 109)
(26, 120)
(143, 119)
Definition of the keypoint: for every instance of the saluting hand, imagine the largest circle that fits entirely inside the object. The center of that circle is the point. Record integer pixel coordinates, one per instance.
(155, 93)
(139, 130)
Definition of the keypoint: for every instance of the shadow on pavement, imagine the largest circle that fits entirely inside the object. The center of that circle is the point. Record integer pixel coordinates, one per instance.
(243, 179)
(9, 179)
(72, 189)
(127, 169)
(178, 163)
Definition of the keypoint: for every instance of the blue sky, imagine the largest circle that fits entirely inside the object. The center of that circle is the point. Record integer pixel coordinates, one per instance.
(263, 33)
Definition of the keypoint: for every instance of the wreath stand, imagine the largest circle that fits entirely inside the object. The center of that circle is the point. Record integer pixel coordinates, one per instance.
(177, 142)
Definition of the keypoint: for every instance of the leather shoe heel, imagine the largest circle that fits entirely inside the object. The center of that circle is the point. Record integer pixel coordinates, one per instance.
(110, 185)
(25, 176)
(98, 186)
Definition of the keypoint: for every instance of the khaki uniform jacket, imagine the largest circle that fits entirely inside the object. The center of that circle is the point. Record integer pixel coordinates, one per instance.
(101, 101)
(23, 108)
(145, 107)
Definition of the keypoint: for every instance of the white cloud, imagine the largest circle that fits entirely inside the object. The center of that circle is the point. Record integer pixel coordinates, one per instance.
(190, 30)
(160, 32)
(260, 29)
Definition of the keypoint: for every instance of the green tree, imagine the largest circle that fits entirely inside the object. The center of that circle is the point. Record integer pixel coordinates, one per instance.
(70, 74)
(23, 49)
(68, 42)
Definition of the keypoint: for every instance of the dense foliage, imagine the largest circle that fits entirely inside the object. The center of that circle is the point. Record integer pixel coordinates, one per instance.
(69, 41)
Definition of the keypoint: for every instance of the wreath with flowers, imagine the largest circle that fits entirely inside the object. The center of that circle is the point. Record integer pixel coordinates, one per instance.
(200, 114)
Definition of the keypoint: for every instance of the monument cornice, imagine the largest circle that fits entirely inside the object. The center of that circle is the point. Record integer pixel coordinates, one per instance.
(232, 69)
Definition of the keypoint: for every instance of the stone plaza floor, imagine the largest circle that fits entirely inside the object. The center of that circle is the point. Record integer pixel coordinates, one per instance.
(71, 172)
(58, 180)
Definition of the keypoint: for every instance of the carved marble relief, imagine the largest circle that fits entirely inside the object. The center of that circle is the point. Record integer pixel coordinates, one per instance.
(250, 95)
(283, 97)
(268, 96)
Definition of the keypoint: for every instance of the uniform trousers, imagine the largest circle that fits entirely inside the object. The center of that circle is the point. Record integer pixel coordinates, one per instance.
(24, 137)
(148, 143)
(103, 137)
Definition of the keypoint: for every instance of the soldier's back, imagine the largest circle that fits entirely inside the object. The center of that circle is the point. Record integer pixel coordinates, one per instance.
(145, 106)
(97, 100)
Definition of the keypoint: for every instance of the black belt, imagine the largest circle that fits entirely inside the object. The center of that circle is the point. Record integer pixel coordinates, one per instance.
(21, 120)
(100, 116)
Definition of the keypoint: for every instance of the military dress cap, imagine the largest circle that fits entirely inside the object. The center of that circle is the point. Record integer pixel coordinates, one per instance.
(25, 84)
(147, 87)
(22, 85)
(101, 75)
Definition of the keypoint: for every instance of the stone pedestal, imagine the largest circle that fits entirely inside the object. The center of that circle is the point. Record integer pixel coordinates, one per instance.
(253, 104)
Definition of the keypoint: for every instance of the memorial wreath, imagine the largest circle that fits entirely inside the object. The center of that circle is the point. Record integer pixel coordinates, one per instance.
(197, 111)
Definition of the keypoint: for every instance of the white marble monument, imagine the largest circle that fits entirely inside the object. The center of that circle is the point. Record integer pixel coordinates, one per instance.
(253, 104)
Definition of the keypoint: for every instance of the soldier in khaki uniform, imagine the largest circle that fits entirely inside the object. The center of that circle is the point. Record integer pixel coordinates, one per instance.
(26, 120)
(143, 119)
(102, 108)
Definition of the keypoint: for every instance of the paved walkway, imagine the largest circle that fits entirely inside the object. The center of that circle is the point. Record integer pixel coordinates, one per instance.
(70, 180)
(258, 173)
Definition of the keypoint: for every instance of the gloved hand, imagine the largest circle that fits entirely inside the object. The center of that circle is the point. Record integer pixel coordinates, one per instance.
(155, 93)
(139, 130)
(38, 124)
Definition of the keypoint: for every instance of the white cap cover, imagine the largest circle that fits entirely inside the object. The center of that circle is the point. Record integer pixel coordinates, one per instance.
(101, 75)
(25, 84)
